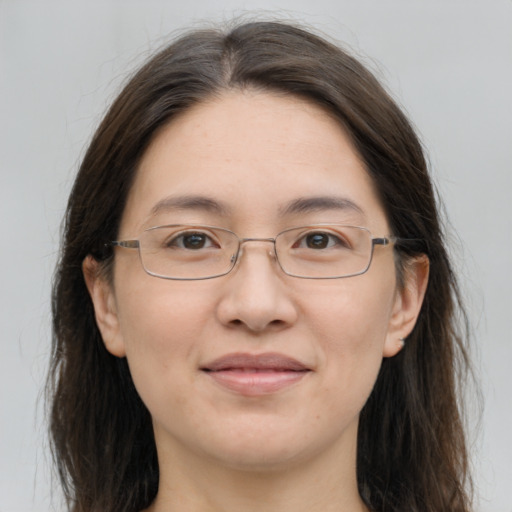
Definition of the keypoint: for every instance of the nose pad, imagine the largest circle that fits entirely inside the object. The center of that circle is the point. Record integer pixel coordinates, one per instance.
(237, 257)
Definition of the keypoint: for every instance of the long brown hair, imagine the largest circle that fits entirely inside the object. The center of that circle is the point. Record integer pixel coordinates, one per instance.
(411, 447)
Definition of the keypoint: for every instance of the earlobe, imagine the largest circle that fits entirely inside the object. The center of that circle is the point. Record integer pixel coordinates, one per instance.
(103, 299)
(407, 305)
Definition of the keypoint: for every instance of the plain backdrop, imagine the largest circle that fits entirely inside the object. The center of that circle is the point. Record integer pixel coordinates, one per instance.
(448, 62)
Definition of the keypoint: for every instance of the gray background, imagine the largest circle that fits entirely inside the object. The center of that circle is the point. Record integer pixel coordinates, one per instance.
(447, 61)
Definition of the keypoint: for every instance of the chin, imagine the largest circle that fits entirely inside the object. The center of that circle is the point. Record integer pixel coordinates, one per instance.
(260, 459)
(270, 448)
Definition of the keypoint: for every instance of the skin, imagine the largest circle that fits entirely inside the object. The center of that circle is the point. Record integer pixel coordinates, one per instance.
(294, 449)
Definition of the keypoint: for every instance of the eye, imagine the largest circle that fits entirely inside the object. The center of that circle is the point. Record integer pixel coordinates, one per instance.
(191, 241)
(320, 240)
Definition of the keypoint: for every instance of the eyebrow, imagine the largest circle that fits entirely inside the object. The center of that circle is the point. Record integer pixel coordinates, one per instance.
(302, 205)
(320, 203)
(201, 203)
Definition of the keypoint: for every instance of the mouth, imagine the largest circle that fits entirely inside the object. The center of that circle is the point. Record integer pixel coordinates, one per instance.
(255, 375)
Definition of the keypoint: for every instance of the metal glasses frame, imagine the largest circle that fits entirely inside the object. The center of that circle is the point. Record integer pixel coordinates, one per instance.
(135, 244)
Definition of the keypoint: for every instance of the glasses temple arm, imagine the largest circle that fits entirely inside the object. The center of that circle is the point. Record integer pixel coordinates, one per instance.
(128, 244)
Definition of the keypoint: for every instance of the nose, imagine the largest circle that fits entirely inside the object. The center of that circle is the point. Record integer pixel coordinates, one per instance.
(256, 294)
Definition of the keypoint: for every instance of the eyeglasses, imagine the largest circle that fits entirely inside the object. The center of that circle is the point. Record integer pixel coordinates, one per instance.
(192, 252)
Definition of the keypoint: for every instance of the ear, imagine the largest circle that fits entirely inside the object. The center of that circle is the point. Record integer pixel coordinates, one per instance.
(103, 299)
(407, 305)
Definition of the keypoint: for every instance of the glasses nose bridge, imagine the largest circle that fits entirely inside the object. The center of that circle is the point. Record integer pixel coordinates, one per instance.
(242, 241)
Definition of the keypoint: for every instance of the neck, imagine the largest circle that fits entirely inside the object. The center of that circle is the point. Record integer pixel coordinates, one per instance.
(326, 483)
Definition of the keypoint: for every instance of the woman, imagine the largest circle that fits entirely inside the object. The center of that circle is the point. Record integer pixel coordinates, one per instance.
(254, 308)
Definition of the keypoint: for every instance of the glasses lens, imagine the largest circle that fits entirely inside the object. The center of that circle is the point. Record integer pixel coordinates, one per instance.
(324, 251)
(188, 252)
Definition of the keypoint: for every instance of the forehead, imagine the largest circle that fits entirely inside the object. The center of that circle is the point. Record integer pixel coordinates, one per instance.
(252, 154)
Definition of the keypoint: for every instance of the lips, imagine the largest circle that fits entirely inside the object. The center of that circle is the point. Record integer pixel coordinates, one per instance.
(253, 375)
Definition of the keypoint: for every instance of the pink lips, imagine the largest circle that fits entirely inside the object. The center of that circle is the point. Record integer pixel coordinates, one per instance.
(253, 375)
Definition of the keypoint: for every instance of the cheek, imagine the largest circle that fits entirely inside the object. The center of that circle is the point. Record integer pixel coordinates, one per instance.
(162, 327)
(353, 314)
(161, 314)
(351, 327)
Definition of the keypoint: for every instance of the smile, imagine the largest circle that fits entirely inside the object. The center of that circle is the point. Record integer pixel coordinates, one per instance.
(256, 375)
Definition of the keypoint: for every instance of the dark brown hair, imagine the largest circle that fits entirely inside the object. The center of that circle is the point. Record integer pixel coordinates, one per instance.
(411, 446)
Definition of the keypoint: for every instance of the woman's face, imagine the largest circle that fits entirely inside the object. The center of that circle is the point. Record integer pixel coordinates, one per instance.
(255, 369)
